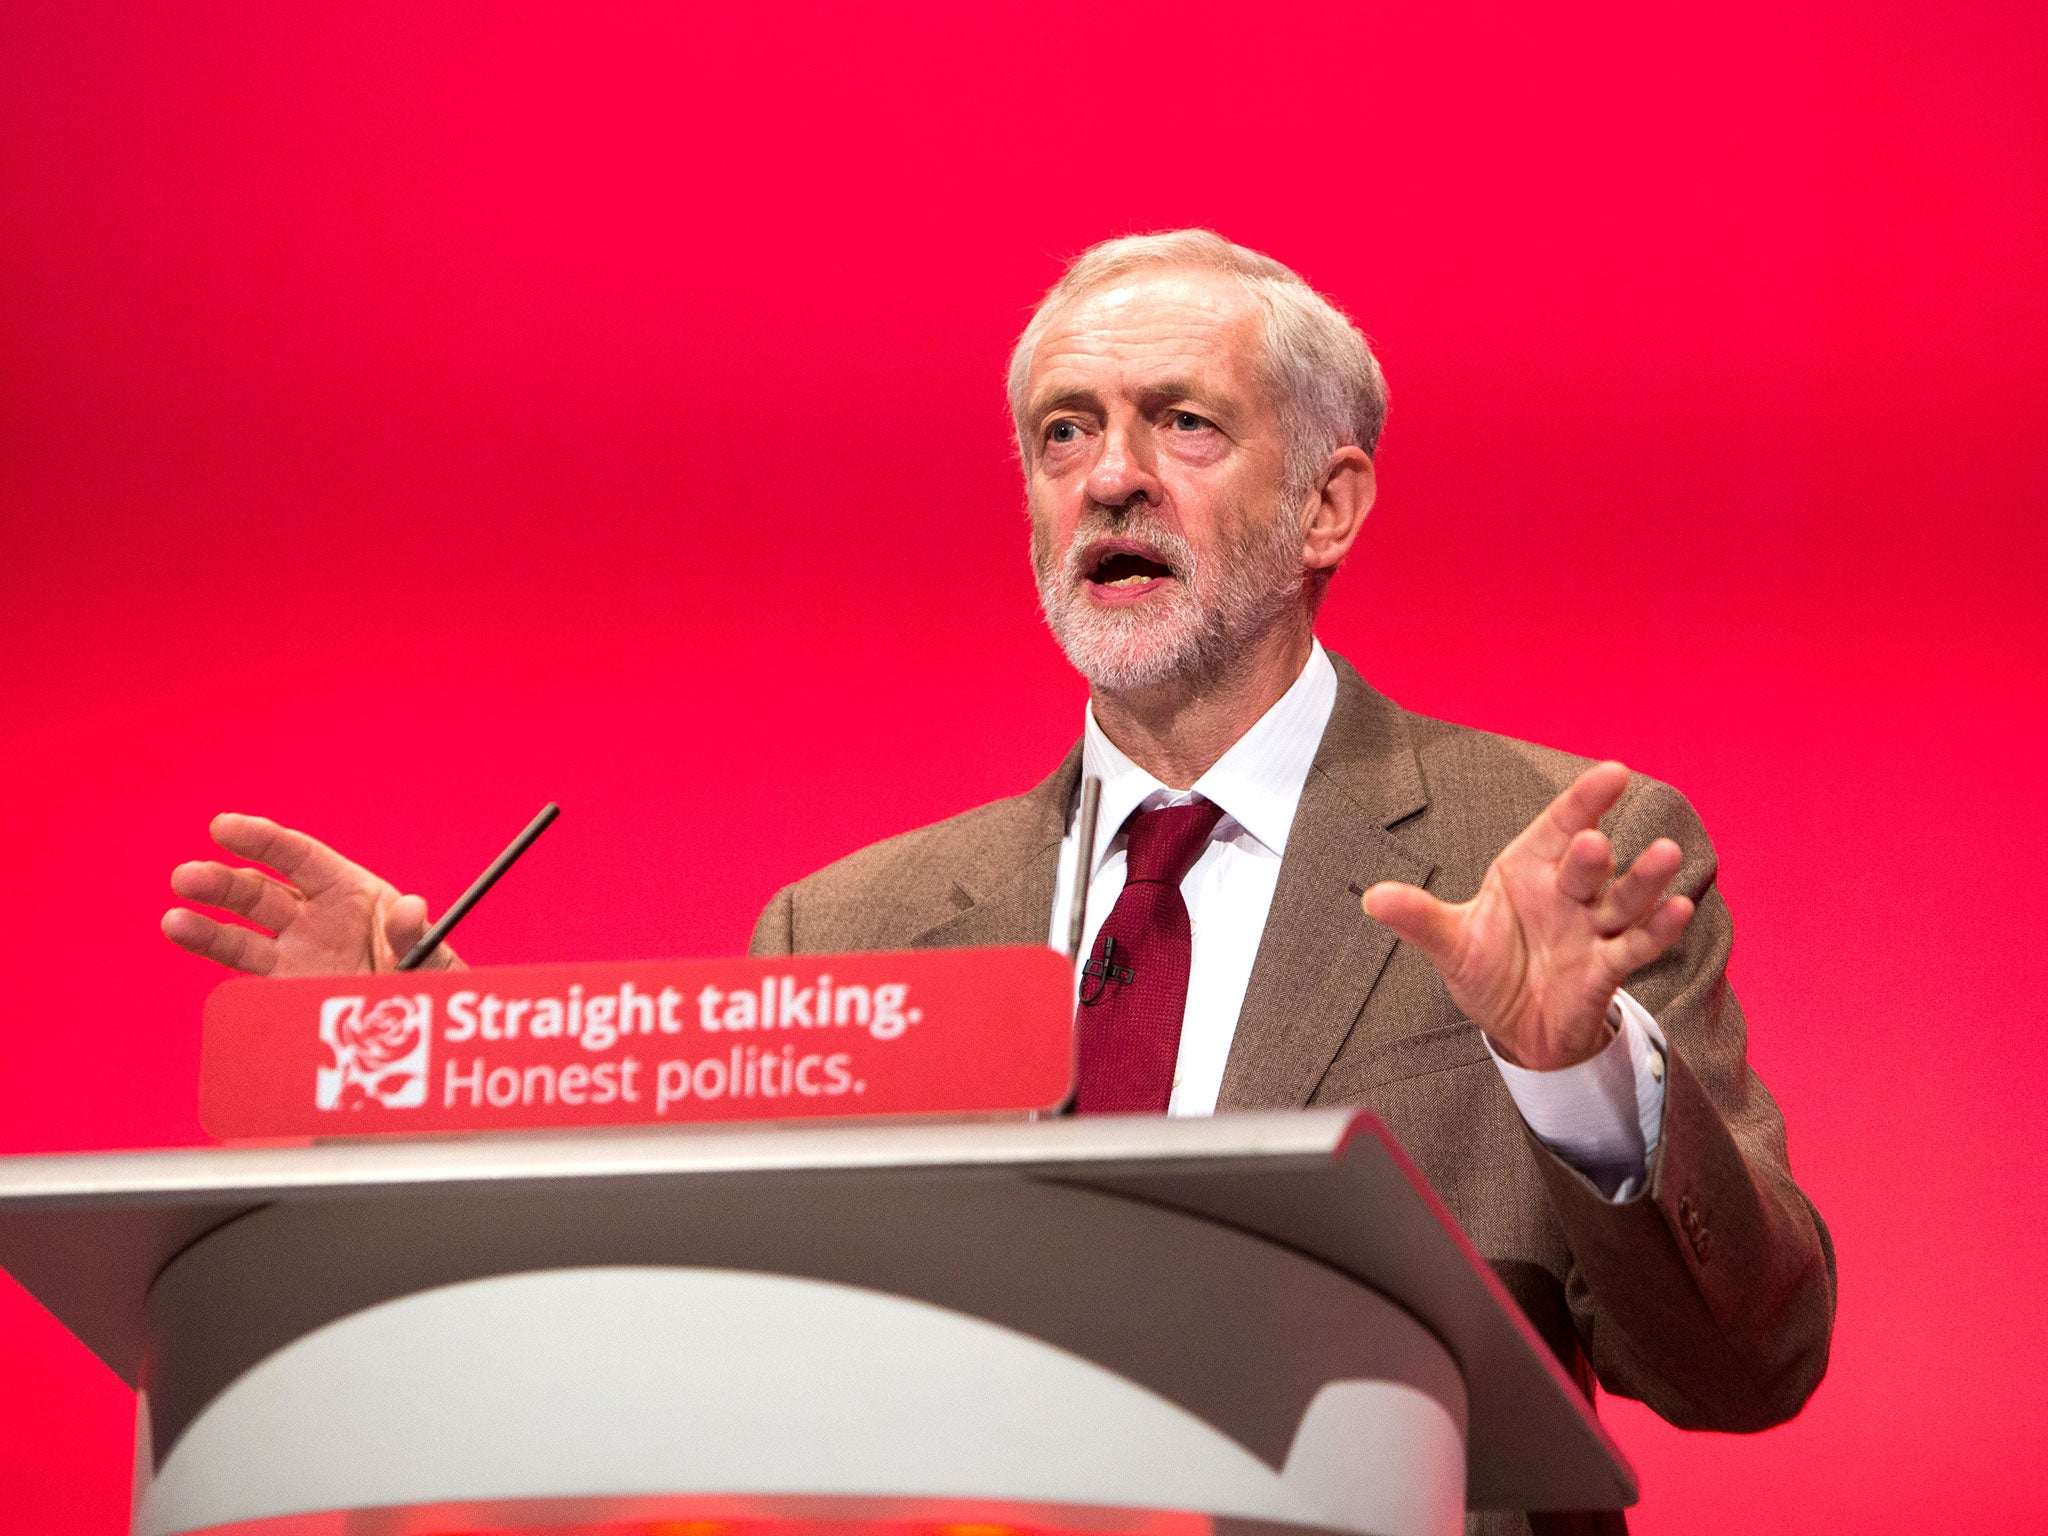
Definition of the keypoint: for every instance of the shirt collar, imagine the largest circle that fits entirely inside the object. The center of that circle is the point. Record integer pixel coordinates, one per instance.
(1258, 782)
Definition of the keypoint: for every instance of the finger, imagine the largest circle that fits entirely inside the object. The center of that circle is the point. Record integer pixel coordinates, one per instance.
(1432, 926)
(1587, 866)
(1627, 953)
(1636, 892)
(239, 949)
(311, 866)
(250, 893)
(1590, 796)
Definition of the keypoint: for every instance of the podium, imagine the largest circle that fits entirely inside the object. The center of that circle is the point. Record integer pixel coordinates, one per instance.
(1102, 1323)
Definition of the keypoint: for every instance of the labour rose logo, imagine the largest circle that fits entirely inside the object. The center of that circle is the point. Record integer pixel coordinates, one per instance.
(379, 1052)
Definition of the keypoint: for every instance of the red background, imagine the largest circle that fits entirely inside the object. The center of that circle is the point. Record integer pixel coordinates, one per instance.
(406, 419)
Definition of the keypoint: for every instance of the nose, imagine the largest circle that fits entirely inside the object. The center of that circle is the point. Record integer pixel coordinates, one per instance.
(1124, 472)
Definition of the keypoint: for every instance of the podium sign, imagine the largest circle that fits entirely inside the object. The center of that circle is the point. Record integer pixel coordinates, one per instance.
(621, 1043)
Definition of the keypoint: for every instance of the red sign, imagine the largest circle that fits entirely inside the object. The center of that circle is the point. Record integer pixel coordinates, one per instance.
(942, 1031)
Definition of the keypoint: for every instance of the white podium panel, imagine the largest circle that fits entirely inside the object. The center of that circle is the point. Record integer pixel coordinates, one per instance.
(573, 1383)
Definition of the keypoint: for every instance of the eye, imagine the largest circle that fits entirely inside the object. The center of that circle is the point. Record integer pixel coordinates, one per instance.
(1063, 432)
(1188, 421)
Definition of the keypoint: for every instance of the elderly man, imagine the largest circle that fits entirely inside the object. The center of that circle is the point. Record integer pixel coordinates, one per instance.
(1197, 428)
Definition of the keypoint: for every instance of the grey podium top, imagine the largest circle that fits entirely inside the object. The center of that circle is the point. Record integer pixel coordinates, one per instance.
(88, 1234)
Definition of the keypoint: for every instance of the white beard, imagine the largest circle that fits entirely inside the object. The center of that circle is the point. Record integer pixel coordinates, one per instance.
(1210, 615)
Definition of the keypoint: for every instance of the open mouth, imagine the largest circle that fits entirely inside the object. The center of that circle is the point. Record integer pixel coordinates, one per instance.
(1126, 570)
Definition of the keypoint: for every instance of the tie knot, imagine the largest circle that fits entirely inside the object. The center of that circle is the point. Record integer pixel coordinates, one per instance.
(1163, 845)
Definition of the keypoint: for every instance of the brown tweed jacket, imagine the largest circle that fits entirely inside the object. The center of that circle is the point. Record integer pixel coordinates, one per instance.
(1710, 1295)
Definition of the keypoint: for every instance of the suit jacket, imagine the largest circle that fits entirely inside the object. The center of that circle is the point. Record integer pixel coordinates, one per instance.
(1710, 1295)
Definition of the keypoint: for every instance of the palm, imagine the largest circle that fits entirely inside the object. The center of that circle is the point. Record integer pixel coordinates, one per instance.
(324, 915)
(1527, 961)
(1535, 957)
(342, 929)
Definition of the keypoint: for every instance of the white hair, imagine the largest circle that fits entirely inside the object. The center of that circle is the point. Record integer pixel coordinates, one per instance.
(1324, 380)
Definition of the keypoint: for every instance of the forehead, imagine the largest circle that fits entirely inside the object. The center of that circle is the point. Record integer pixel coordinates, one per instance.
(1152, 327)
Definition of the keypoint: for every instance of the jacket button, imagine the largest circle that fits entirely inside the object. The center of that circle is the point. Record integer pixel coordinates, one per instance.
(1694, 1226)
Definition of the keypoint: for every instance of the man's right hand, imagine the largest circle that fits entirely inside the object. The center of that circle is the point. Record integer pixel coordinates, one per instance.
(325, 916)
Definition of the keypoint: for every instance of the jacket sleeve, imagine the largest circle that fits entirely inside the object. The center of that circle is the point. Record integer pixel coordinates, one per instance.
(775, 932)
(1710, 1295)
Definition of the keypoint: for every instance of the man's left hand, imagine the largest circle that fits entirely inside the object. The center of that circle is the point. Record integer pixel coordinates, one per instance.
(1536, 957)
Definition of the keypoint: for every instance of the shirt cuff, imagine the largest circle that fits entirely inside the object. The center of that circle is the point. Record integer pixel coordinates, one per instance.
(1605, 1115)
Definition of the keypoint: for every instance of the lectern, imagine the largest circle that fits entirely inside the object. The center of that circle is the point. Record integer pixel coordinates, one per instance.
(1110, 1324)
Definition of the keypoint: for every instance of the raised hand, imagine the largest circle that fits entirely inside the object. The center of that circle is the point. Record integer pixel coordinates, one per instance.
(1536, 957)
(326, 916)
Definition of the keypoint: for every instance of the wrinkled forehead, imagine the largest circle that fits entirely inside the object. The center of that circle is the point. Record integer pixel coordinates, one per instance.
(1152, 327)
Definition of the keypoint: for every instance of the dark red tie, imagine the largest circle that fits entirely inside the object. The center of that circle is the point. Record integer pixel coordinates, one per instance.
(1134, 987)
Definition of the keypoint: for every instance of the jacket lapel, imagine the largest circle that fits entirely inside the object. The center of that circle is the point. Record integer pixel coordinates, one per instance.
(1004, 890)
(1319, 955)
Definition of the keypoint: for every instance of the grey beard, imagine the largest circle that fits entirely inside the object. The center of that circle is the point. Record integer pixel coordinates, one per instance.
(1216, 609)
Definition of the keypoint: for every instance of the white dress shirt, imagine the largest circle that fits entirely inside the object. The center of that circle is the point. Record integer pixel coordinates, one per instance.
(1602, 1116)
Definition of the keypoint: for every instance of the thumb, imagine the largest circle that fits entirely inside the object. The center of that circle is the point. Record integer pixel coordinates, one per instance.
(1432, 926)
(405, 924)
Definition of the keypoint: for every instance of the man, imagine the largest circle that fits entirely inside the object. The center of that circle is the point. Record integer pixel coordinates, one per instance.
(1196, 428)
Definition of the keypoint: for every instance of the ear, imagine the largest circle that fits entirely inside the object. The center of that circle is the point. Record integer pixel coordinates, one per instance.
(1338, 511)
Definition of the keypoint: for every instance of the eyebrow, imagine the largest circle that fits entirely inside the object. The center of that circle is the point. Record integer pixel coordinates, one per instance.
(1179, 389)
(1165, 389)
(1038, 410)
